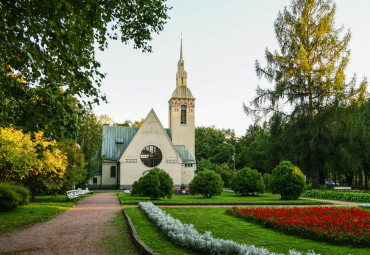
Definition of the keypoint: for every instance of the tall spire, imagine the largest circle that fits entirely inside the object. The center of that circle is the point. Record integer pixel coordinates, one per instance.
(181, 75)
(181, 49)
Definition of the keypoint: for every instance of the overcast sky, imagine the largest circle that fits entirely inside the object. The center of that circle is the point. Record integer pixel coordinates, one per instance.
(221, 41)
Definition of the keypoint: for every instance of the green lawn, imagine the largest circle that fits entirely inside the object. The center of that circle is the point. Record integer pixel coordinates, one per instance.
(119, 241)
(228, 227)
(42, 209)
(226, 197)
(150, 234)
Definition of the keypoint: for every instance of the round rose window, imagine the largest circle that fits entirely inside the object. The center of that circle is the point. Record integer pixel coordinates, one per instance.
(151, 156)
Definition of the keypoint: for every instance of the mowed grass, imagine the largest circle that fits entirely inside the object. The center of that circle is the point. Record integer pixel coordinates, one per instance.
(119, 240)
(225, 226)
(226, 197)
(42, 209)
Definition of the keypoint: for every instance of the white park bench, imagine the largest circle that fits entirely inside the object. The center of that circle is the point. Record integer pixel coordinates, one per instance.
(342, 188)
(72, 194)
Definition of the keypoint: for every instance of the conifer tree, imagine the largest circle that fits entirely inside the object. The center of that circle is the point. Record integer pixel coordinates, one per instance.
(308, 72)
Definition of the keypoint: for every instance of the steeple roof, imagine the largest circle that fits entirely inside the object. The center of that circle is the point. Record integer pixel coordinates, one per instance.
(181, 90)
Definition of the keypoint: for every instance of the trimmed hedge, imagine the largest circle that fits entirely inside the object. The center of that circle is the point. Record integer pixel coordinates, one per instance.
(339, 195)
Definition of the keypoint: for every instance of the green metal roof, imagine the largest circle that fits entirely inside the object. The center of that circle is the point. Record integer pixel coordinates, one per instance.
(116, 140)
(184, 154)
(182, 92)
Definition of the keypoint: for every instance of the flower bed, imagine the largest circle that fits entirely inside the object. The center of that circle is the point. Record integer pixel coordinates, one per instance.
(339, 195)
(339, 225)
(187, 236)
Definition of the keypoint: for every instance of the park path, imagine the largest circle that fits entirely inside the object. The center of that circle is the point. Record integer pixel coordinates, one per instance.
(334, 202)
(76, 231)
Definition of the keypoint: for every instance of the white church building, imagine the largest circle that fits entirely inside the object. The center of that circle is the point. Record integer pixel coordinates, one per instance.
(130, 152)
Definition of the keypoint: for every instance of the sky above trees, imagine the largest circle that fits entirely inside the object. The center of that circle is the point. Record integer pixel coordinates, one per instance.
(221, 42)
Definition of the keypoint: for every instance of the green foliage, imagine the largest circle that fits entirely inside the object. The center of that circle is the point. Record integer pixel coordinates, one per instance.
(214, 145)
(287, 180)
(75, 172)
(206, 183)
(23, 194)
(12, 195)
(53, 42)
(247, 181)
(90, 139)
(253, 149)
(353, 196)
(266, 178)
(223, 170)
(155, 184)
(308, 73)
(49, 109)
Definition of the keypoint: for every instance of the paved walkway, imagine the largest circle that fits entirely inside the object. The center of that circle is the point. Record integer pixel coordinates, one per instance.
(335, 202)
(76, 231)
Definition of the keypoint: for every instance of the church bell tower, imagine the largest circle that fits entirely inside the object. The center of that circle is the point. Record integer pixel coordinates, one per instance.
(182, 110)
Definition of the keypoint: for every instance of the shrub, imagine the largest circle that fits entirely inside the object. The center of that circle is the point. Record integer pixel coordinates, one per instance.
(155, 184)
(206, 183)
(353, 196)
(246, 181)
(12, 195)
(287, 180)
(23, 194)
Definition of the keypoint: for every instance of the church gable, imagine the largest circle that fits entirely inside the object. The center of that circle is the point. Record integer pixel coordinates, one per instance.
(151, 147)
(151, 133)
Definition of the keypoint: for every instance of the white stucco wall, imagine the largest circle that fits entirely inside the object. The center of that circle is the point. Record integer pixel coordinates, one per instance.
(150, 133)
(106, 179)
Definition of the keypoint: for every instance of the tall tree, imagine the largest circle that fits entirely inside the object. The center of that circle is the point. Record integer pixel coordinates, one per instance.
(90, 139)
(47, 49)
(52, 42)
(309, 71)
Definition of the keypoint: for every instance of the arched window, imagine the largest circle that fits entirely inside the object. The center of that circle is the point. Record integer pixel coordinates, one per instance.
(183, 114)
(112, 171)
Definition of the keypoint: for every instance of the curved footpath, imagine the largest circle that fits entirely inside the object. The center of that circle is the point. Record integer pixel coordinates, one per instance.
(335, 202)
(76, 231)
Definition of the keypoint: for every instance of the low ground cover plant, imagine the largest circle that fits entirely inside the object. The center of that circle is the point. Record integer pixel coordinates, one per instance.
(287, 180)
(337, 225)
(339, 195)
(187, 236)
(206, 183)
(247, 181)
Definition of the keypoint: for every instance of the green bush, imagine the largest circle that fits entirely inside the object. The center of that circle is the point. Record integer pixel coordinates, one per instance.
(247, 181)
(12, 195)
(23, 194)
(206, 183)
(287, 180)
(353, 196)
(309, 186)
(155, 184)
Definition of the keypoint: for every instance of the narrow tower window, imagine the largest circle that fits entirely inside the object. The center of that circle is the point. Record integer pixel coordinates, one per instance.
(183, 114)
(182, 81)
